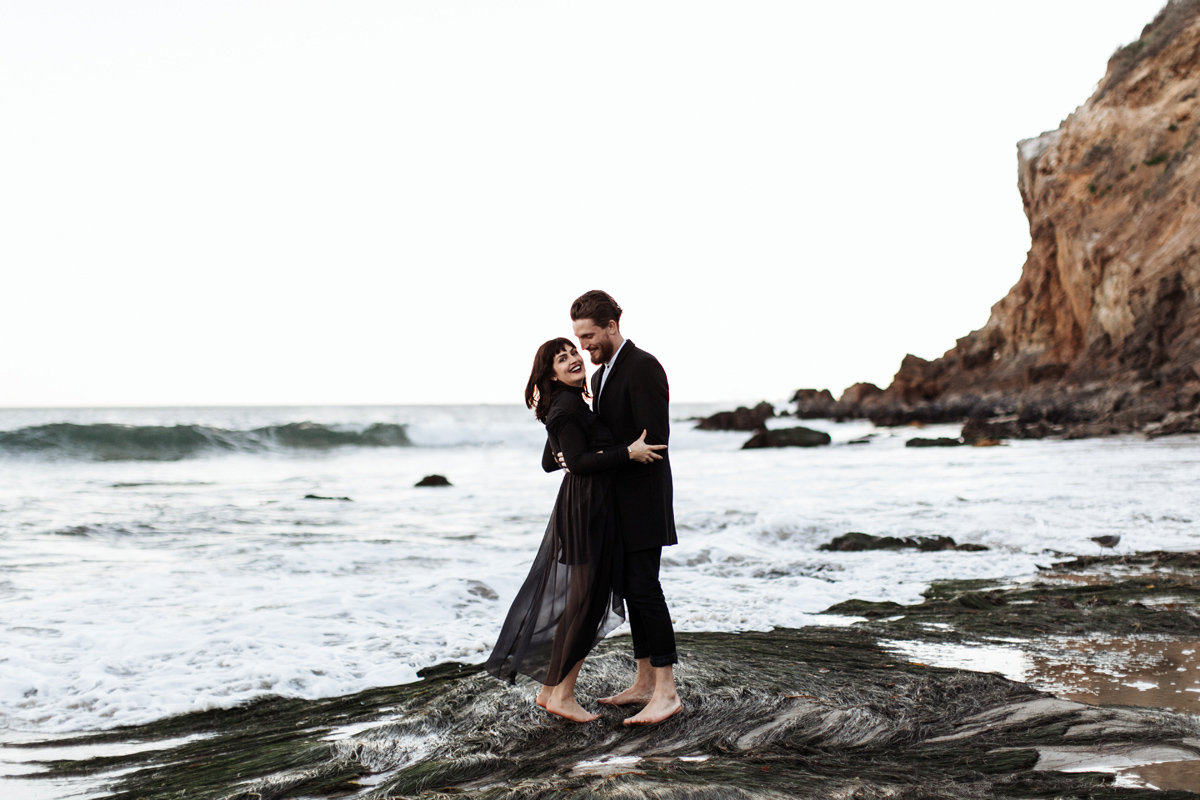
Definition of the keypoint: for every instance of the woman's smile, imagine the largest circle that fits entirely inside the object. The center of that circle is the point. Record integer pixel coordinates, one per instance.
(568, 367)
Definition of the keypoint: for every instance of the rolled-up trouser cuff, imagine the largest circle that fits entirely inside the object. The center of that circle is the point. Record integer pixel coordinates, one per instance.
(664, 661)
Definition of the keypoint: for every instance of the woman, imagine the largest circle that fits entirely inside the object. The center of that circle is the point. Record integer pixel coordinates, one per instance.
(567, 603)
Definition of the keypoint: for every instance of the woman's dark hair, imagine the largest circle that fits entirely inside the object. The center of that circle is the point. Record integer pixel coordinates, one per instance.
(540, 390)
(597, 306)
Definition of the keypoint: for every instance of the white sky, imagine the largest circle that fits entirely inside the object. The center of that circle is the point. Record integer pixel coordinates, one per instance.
(395, 202)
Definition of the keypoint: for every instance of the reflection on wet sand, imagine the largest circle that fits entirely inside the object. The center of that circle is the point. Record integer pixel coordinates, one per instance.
(1129, 672)
(1169, 776)
(1149, 672)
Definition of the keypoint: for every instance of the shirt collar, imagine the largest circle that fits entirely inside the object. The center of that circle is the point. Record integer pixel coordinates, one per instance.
(608, 364)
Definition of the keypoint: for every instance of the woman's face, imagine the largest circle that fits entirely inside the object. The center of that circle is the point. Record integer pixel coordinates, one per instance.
(568, 367)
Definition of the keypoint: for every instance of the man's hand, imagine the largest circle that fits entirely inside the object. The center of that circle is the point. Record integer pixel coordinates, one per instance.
(562, 462)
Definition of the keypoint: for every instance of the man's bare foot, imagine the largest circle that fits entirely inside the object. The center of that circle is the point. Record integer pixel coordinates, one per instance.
(543, 698)
(659, 709)
(569, 709)
(634, 695)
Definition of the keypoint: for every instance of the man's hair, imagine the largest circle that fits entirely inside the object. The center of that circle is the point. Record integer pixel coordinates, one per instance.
(597, 306)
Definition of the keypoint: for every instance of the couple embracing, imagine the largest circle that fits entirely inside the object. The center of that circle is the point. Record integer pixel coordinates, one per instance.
(613, 515)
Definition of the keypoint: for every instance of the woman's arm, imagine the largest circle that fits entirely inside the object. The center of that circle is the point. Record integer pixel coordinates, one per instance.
(549, 462)
(582, 460)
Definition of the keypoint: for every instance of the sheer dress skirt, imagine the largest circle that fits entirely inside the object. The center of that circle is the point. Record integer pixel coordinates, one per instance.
(569, 600)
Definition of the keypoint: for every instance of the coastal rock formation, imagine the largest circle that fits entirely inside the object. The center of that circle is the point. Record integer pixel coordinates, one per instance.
(1101, 333)
(787, 437)
(741, 419)
(855, 541)
(812, 403)
(433, 480)
(941, 441)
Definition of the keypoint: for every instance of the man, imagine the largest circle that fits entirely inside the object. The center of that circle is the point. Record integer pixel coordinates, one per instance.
(630, 394)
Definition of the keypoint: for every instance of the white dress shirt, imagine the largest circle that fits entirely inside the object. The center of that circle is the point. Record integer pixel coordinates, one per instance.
(608, 370)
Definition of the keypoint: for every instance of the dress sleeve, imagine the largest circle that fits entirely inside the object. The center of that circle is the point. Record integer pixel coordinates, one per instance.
(549, 462)
(582, 460)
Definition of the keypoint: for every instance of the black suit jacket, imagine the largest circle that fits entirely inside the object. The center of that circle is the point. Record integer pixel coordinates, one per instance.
(636, 398)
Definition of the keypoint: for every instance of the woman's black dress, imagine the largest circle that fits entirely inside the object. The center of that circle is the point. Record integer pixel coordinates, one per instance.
(568, 602)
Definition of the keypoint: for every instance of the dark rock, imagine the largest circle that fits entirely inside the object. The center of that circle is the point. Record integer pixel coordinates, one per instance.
(433, 480)
(978, 430)
(860, 393)
(941, 441)
(1174, 423)
(787, 437)
(742, 419)
(322, 497)
(856, 541)
(813, 404)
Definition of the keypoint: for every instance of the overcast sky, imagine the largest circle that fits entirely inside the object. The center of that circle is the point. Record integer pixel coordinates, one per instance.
(395, 202)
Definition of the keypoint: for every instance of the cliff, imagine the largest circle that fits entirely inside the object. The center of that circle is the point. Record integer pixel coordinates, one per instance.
(1102, 331)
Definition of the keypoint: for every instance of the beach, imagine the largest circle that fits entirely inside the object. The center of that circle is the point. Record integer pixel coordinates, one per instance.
(138, 588)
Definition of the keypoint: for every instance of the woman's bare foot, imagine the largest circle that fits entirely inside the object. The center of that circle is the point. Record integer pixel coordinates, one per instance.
(543, 698)
(657, 710)
(567, 708)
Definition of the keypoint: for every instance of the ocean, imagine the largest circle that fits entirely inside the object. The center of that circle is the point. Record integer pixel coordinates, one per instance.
(155, 561)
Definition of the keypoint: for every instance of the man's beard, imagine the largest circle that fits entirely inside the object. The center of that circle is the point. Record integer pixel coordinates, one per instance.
(603, 353)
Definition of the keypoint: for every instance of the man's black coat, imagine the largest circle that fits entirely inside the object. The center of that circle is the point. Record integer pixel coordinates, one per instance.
(636, 398)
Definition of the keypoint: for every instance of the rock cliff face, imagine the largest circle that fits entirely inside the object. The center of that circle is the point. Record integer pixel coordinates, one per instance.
(1102, 331)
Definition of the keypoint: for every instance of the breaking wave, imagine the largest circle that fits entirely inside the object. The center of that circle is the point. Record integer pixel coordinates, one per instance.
(114, 442)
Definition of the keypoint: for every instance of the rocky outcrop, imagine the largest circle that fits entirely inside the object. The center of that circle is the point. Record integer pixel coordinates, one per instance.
(941, 441)
(433, 480)
(813, 404)
(741, 419)
(787, 437)
(855, 542)
(1101, 333)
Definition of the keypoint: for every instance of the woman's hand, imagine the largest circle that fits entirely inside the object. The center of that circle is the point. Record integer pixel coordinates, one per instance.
(644, 453)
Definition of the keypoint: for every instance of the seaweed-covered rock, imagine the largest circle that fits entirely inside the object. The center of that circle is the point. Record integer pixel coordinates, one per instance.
(1117, 603)
(856, 541)
(787, 437)
(941, 441)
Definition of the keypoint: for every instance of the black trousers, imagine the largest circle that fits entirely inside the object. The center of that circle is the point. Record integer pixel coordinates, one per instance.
(649, 619)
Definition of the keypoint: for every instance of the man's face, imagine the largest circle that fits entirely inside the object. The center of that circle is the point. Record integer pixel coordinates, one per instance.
(596, 340)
